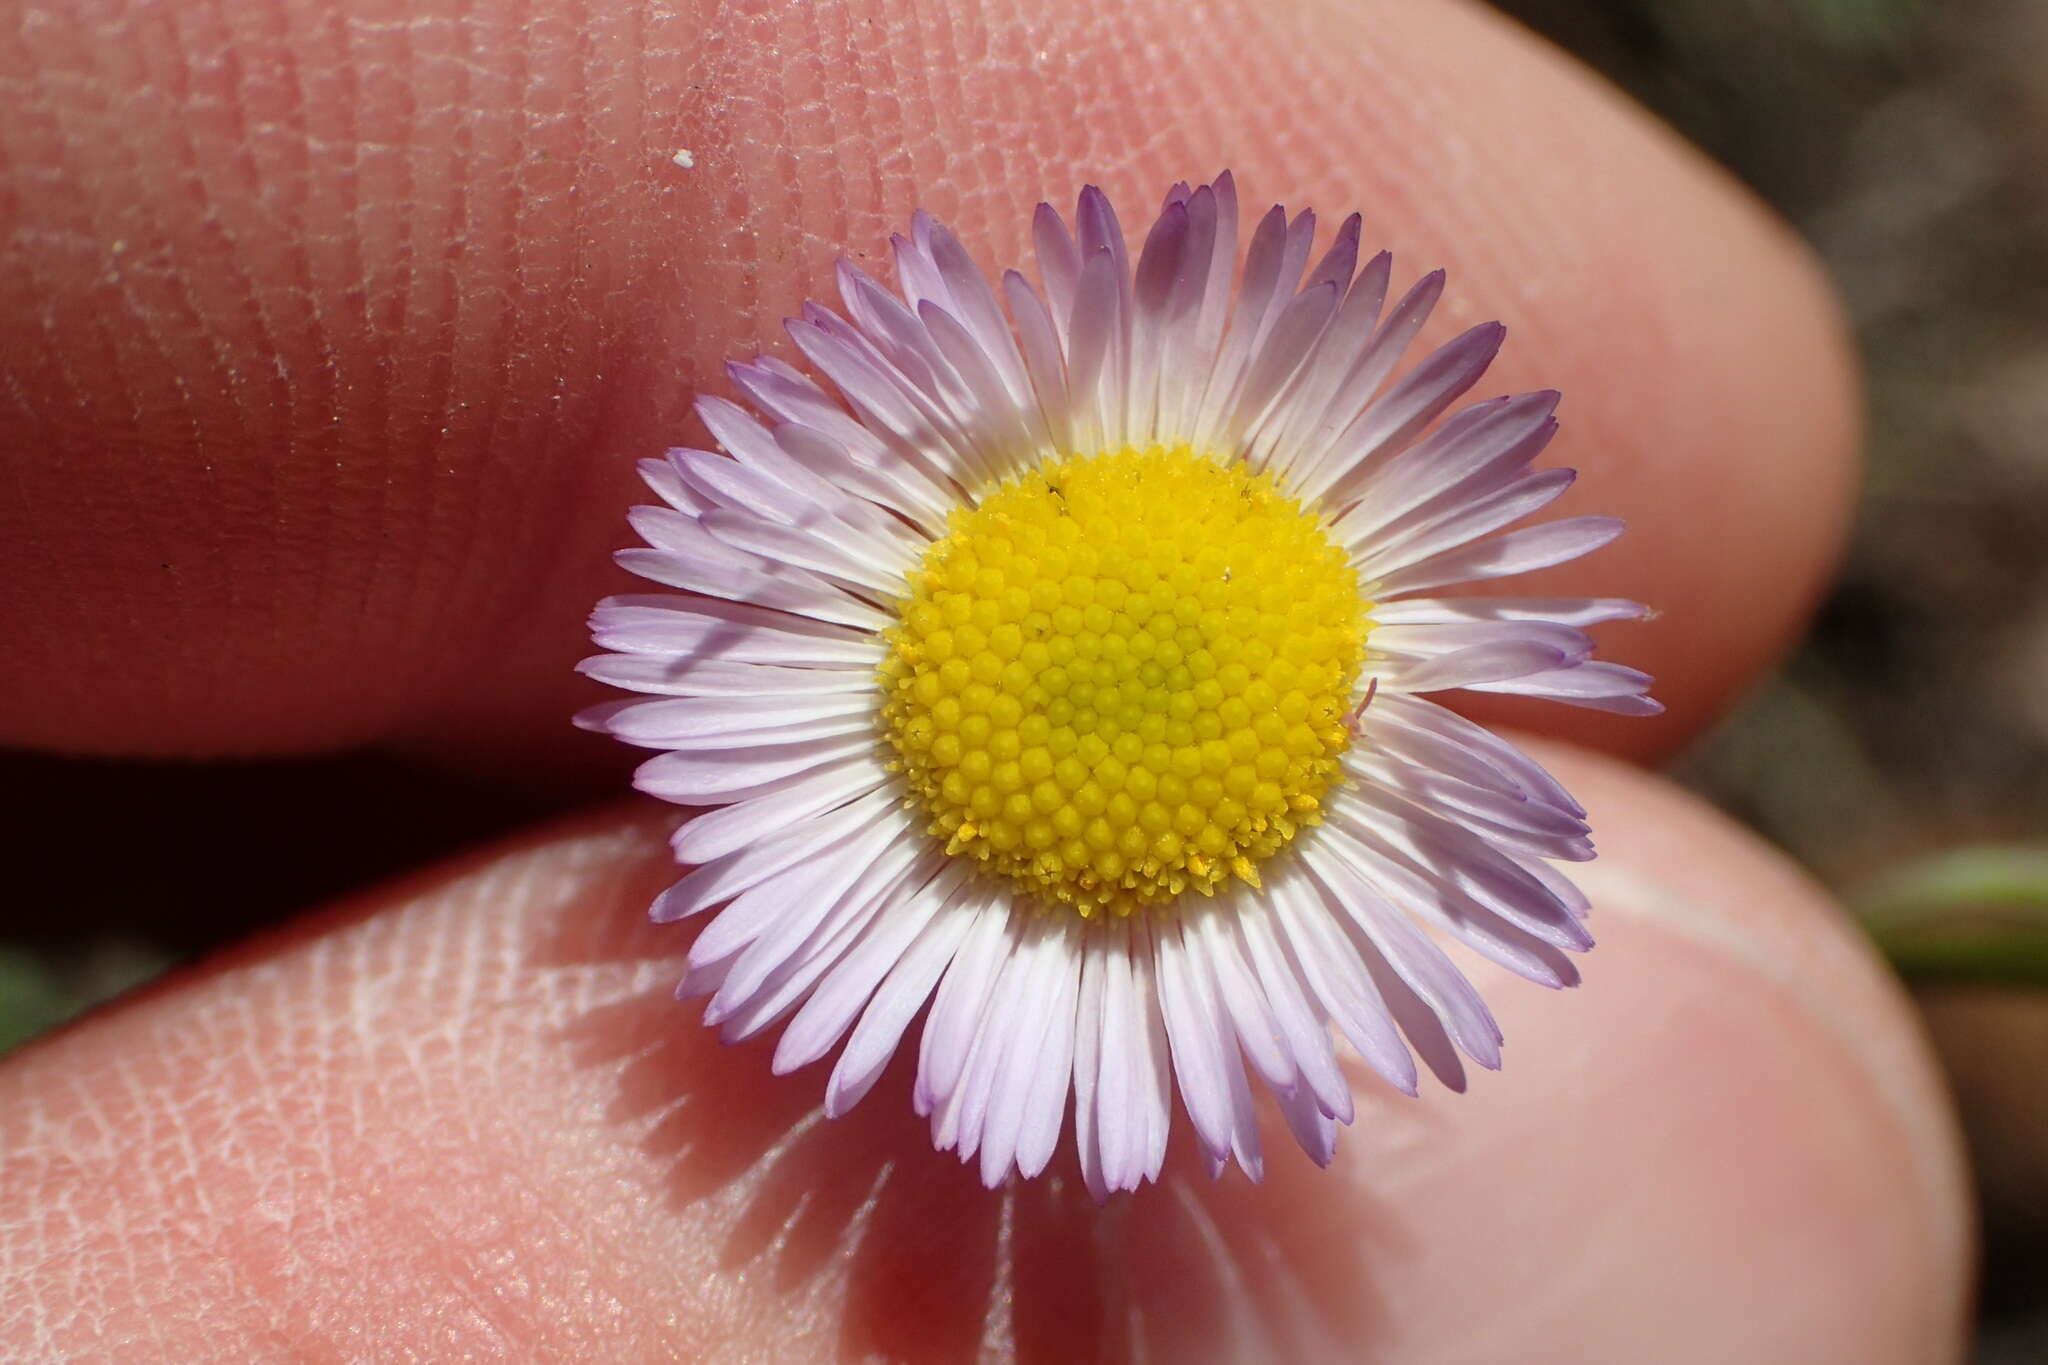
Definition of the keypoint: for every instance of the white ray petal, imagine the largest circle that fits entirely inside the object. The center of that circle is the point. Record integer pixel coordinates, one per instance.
(897, 1000)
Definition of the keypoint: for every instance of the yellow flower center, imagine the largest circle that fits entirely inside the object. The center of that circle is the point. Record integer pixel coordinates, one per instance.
(1123, 677)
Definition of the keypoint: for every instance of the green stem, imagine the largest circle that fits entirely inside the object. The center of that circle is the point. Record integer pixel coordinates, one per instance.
(1977, 915)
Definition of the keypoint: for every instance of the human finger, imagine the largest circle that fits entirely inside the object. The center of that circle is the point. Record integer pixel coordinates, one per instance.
(338, 336)
(464, 1116)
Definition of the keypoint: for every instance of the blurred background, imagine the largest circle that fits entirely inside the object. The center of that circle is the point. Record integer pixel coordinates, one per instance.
(1902, 754)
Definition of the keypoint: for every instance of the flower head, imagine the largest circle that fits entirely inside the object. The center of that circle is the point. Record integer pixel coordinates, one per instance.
(1060, 679)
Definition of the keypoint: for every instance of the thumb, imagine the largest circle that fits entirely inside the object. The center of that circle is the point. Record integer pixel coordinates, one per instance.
(463, 1118)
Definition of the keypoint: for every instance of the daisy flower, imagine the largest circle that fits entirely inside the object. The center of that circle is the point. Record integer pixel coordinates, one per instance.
(1057, 676)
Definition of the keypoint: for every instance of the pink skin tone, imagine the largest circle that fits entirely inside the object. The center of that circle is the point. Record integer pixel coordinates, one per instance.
(460, 1116)
(466, 1112)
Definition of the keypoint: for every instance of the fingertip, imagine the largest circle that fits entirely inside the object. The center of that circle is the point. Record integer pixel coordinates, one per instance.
(1710, 397)
(1730, 1137)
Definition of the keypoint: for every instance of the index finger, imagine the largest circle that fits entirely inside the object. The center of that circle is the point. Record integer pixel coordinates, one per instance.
(343, 333)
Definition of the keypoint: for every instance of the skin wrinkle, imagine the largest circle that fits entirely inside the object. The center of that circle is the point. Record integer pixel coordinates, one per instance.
(265, 403)
(280, 157)
(214, 301)
(386, 292)
(437, 189)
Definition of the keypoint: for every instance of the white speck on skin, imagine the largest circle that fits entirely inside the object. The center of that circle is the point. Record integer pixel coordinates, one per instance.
(684, 158)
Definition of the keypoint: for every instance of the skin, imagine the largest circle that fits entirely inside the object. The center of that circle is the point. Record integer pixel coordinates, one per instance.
(338, 329)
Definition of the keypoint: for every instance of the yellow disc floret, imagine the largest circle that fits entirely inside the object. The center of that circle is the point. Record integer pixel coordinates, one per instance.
(1124, 677)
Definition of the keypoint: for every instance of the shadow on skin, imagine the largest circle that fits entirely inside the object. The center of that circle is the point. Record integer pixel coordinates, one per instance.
(930, 1265)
